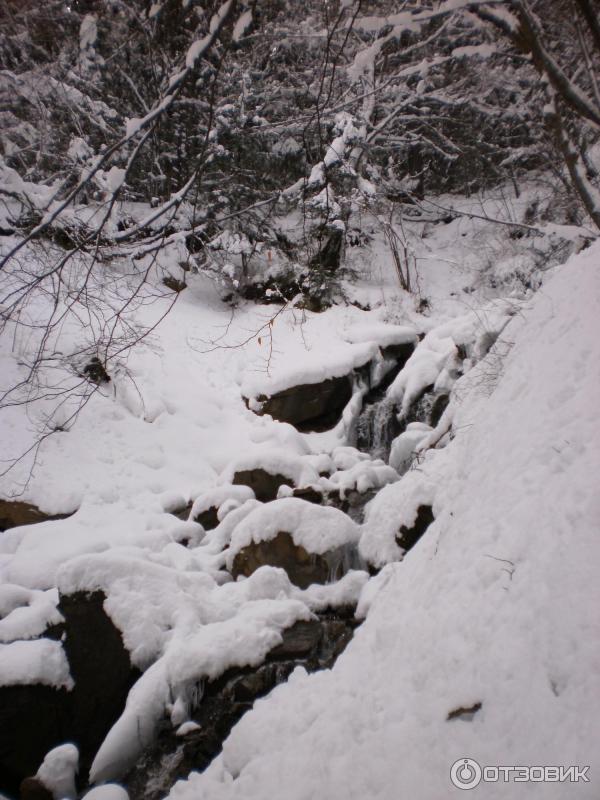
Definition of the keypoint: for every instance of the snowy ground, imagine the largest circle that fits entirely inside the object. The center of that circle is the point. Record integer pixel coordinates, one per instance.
(495, 606)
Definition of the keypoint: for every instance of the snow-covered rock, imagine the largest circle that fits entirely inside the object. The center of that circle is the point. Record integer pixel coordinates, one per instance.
(57, 771)
(317, 530)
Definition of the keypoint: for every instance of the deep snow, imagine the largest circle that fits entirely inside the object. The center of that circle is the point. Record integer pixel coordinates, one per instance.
(498, 603)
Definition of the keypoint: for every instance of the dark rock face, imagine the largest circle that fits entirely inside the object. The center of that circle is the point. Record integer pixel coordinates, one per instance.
(101, 669)
(95, 371)
(310, 406)
(34, 789)
(14, 513)
(182, 513)
(34, 719)
(174, 284)
(353, 503)
(428, 408)
(264, 484)
(303, 568)
(400, 353)
(327, 259)
(315, 645)
(408, 537)
(309, 494)
(208, 519)
(464, 712)
(440, 404)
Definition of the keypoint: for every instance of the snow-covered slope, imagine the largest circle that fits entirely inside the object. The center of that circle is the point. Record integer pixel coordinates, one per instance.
(497, 605)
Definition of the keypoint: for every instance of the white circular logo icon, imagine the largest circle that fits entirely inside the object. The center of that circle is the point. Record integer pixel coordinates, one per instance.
(465, 773)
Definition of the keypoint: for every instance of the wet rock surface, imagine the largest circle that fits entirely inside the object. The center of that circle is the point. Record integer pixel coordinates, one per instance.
(400, 353)
(14, 513)
(303, 568)
(265, 485)
(101, 668)
(310, 406)
(351, 502)
(315, 644)
(427, 408)
(34, 789)
(35, 718)
(408, 537)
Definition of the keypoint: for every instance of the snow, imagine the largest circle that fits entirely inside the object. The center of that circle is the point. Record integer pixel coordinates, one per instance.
(172, 419)
(110, 180)
(187, 727)
(26, 613)
(483, 50)
(382, 334)
(195, 50)
(406, 445)
(396, 505)
(242, 24)
(497, 603)
(57, 771)
(347, 591)
(362, 477)
(37, 661)
(219, 497)
(317, 175)
(107, 791)
(341, 359)
(88, 32)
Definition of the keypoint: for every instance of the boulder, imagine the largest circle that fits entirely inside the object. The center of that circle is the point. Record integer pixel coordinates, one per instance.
(309, 406)
(265, 485)
(303, 568)
(14, 513)
(408, 537)
(34, 789)
(440, 404)
(34, 719)
(181, 512)
(208, 518)
(309, 494)
(101, 668)
(298, 640)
